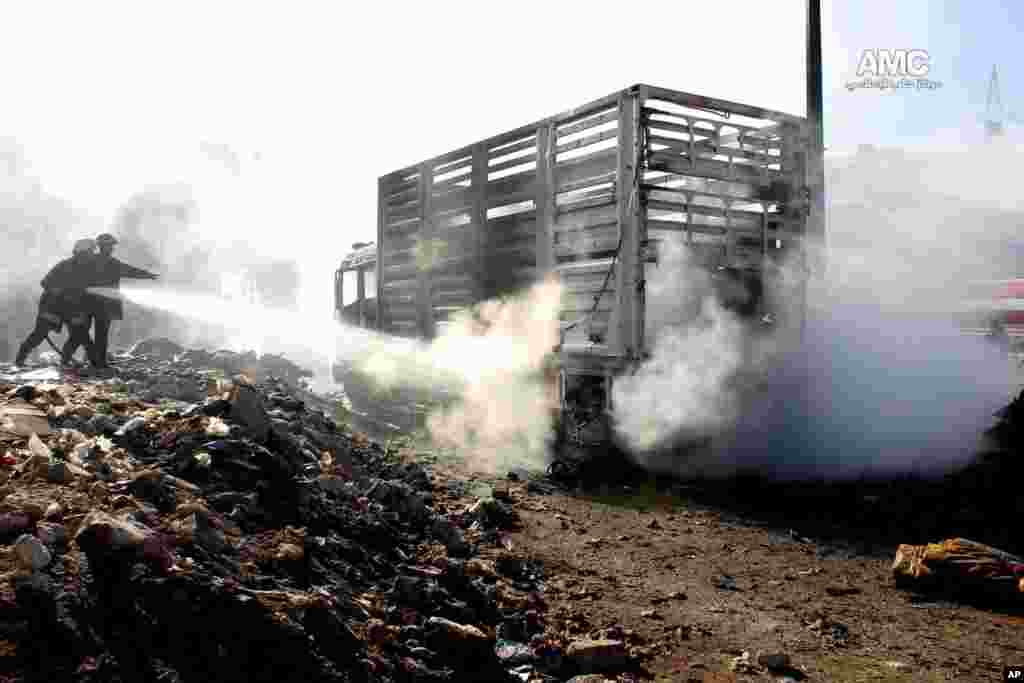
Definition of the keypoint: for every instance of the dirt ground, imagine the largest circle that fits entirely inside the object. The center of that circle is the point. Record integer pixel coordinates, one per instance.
(695, 588)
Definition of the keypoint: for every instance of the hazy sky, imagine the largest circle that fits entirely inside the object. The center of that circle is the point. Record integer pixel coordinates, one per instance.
(318, 99)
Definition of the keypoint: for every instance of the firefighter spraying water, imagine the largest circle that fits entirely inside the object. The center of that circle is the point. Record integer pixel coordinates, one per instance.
(70, 298)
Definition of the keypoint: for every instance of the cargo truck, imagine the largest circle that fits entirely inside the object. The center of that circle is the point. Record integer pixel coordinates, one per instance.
(586, 196)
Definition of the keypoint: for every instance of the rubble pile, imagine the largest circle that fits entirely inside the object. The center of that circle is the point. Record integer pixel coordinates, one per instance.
(152, 356)
(231, 532)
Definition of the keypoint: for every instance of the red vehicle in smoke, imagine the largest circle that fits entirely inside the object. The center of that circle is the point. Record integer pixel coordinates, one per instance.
(995, 308)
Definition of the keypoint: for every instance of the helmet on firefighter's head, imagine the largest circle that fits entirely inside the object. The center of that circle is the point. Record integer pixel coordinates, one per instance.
(84, 246)
(106, 240)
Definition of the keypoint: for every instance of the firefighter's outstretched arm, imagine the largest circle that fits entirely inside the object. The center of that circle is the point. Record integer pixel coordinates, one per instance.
(134, 273)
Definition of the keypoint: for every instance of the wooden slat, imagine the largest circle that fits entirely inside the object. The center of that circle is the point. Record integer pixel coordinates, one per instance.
(399, 198)
(706, 168)
(501, 187)
(398, 257)
(586, 182)
(574, 170)
(459, 239)
(404, 214)
(452, 205)
(439, 282)
(404, 228)
(400, 288)
(569, 234)
(588, 248)
(650, 110)
(766, 133)
(446, 190)
(448, 166)
(402, 272)
(705, 228)
(523, 194)
(581, 204)
(512, 163)
(747, 199)
(459, 182)
(400, 187)
(524, 221)
(585, 286)
(589, 122)
(707, 137)
(399, 242)
(750, 217)
(588, 140)
(528, 143)
(585, 270)
(450, 261)
(586, 217)
(568, 116)
(700, 102)
(592, 192)
(704, 148)
(391, 300)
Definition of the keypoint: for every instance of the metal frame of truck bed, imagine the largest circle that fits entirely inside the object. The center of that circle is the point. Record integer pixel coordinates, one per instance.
(588, 194)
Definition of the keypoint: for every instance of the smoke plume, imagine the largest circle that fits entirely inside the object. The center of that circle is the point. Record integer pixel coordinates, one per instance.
(883, 380)
(686, 386)
(492, 360)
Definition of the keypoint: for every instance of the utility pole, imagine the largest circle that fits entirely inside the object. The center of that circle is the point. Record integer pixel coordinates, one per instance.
(814, 236)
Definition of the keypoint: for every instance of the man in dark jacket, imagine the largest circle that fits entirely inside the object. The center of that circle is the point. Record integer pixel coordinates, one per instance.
(64, 301)
(108, 273)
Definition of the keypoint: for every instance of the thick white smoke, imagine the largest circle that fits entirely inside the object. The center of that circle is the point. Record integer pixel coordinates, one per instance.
(883, 380)
(493, 361)
(687, 386)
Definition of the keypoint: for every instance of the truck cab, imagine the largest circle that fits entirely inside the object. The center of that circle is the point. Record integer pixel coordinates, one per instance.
(355, 290)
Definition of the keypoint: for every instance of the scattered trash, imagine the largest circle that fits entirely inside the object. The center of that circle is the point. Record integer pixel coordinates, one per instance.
(725, 583)
(32, 555)
(838, 635)
(959, 565)
(596, 656)
(776, 663)
(513, 654)
(744, 664)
